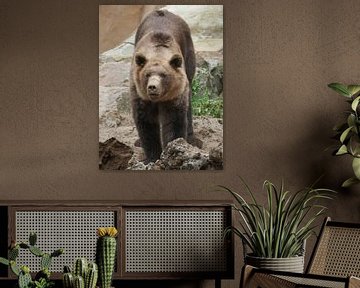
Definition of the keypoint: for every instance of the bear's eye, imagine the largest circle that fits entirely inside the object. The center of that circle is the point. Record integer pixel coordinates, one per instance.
(162, 75)
(147, 75)
(176, 61)
(140, 60)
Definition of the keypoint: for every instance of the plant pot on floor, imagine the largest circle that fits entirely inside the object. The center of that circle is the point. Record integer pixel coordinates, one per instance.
(275, 233)
(291, 264)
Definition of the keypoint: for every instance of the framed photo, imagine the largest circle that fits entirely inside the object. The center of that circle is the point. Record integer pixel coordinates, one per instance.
(161, 87)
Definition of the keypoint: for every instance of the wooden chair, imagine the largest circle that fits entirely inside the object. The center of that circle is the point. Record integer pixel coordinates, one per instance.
(335, 262)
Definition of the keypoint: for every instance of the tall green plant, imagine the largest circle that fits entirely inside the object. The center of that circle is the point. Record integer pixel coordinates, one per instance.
(348, 132)
(106, 254)
(279, 229)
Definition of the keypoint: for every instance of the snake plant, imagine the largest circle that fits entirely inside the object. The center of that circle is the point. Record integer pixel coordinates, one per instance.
(279, 228)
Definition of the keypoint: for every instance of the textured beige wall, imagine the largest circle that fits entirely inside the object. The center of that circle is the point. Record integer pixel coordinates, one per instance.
(279, 57)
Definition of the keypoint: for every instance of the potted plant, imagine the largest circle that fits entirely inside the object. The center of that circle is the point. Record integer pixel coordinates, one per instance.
(348, 132)
(276, 233)
(42, 278)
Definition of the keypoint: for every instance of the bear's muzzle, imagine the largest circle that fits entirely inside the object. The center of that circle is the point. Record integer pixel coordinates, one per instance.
(154, 86)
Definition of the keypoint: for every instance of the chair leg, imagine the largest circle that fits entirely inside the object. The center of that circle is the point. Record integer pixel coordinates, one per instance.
(217, 283)
(246, 276)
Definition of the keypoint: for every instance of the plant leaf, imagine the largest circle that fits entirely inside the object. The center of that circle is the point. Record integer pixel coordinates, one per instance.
(340, 88)
(356, 167)
(354, 144)
(4, 261)
(349, 182)
(351, 120)
(353, 89)
(345, 134)
(342, 150)
(355, 103)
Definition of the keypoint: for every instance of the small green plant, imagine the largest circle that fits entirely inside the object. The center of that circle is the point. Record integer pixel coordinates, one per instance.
(279, 229)
(348, 132)
(84, 275)
(43, 283)
(202, 104)
(42, 278)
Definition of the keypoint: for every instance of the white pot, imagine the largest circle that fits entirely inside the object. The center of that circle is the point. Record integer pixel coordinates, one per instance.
(291, 264)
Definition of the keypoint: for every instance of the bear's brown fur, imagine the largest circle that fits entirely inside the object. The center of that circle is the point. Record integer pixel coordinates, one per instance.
(160, 81)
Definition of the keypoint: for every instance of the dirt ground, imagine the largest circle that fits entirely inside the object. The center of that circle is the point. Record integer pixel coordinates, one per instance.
(209, 130)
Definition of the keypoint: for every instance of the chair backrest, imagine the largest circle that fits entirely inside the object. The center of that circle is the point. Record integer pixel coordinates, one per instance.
(337, 251)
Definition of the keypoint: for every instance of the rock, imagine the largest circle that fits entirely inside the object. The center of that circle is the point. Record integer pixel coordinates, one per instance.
(124, 51)
(109, 102)
(214, 82)
(114, 73)
(216, 157)
(142, 166)
(205, 22)
(209, 75)
(180, 155)
(114, 155)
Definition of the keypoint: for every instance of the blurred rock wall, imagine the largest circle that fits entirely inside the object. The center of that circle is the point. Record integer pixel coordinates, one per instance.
(118, 22)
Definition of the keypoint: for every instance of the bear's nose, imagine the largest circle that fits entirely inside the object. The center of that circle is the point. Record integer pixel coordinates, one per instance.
(153, 85)
(152, 89)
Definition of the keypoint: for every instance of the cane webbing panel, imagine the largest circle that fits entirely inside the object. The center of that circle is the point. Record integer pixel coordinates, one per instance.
(75, 231)
(175, 241)
(338, 252)
(267, 280)
(313, 282)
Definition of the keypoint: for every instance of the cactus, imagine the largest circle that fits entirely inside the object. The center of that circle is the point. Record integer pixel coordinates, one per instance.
(32, 238)
(68, 280)
(14, 268)
(80, 267)
(57, 253)
(13, 253)
(44, 273)
(79, 282)
(91, 276)
(67, 269)
(89, 272)
(105, 254)
(24, 278)
(45, 261)
(36, 251)
(24, 245)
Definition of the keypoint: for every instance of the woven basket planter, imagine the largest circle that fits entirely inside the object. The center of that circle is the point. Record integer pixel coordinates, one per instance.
(291, 264)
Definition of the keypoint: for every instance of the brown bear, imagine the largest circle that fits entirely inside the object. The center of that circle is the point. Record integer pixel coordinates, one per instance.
(162, 69)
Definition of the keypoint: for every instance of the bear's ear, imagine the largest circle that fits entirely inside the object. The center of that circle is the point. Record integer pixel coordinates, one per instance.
(140, 60)
(176, 61)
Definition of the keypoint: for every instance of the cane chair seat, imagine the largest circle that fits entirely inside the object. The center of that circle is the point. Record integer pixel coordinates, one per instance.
(335, 262)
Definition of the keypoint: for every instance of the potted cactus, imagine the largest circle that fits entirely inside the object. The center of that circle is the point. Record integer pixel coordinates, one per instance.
(106, 254)
(84, 275)
(42, 278)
